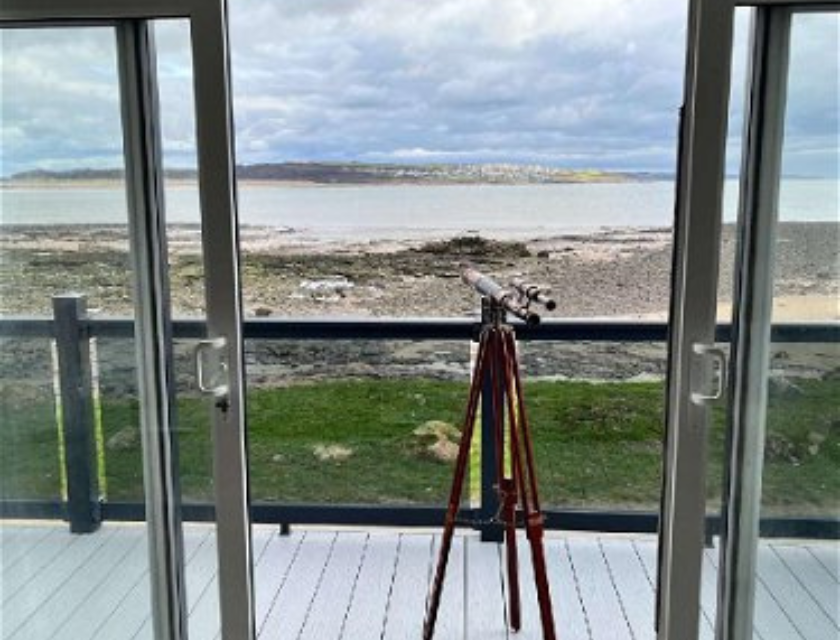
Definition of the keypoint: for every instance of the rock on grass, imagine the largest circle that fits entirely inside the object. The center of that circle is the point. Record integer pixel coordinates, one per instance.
(331, 452)
(444, 450)
(439, 439)
(126, 438)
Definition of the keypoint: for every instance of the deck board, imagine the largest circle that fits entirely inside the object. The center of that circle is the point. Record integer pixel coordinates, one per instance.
(48, 618)
(485, 606)
(200, 572)
(133, 611)
(331, 603)
(32, 561)
(450, 622)
(406, 604)
(630, 582)
(605, 610)
(813, 578)
(271, 572)
(321, 584)
(33, 591)
(829, 558)
(771, 622)
(369, 603)
(107, 595)
(531, 624)
(803, 612)
(205, 623)
(16, 542)
(708, 593)
(288, 613)
(570, 615)
(204, 618)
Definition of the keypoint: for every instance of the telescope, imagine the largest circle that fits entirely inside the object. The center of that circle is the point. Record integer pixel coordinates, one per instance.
(506, 440)
(516, 301)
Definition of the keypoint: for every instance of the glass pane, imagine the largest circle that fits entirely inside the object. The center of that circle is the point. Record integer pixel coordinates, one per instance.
(65, 229)
(361, 194)
(379, 150)
(69, 422)
(801, 478)
(184, 234)
(716, 456)
(796, 578)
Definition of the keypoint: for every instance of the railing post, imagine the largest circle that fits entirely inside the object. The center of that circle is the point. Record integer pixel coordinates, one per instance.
(77, 412)
(490, 531)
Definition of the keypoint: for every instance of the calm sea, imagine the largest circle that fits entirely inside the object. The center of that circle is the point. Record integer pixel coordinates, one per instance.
(374, 212)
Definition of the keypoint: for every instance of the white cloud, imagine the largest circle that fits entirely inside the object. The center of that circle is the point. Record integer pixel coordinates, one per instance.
(456, 76)
(595, 83)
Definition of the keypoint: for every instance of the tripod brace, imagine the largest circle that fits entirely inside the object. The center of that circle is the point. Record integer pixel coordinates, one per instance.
(515, 471)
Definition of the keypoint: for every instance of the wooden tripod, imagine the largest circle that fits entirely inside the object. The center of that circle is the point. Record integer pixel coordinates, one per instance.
(497, 359)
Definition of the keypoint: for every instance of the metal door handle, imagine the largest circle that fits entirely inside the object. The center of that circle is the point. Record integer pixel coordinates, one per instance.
(208, 383)
(717, 359)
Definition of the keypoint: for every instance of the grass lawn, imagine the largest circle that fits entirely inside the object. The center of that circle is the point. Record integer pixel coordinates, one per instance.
(597, 445)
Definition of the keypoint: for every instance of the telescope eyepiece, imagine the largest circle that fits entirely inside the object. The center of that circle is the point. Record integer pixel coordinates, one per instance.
(532, 319)
(533, 293)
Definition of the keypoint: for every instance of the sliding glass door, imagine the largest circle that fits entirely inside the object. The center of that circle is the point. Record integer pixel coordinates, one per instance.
(140, 424)
(783, 403)
(779, 404)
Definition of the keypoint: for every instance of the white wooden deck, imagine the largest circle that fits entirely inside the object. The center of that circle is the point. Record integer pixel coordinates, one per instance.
(320, 584)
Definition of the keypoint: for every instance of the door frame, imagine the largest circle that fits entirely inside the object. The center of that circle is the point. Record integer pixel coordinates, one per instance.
(217, 194)
(697, 227)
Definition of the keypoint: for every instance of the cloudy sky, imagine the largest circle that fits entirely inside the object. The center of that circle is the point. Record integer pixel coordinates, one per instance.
(561, 82)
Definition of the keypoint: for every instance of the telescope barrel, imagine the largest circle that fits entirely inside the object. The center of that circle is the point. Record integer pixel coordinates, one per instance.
(533, 292)
(489, 288)
(484, 285)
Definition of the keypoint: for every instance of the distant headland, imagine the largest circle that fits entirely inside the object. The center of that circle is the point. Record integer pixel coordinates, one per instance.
(355, 173)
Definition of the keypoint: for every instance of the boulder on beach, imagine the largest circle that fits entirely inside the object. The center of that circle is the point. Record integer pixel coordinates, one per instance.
(327, 289)
(263, 312)
(330, 284)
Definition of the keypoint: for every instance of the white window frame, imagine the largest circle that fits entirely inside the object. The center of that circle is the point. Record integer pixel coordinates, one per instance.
(214, 135)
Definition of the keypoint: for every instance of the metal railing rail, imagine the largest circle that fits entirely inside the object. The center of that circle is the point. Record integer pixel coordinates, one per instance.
(582, 330)
(600, 520)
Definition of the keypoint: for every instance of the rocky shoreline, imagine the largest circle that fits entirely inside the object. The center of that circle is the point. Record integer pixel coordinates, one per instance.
(607, 274)
(622, 272)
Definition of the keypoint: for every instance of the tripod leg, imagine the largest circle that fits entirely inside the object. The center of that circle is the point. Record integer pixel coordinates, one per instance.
(506, 486)
(509, 516)
(522, 425)
(534, 529)
(455, 495)
(527, 486)
(534, 532)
